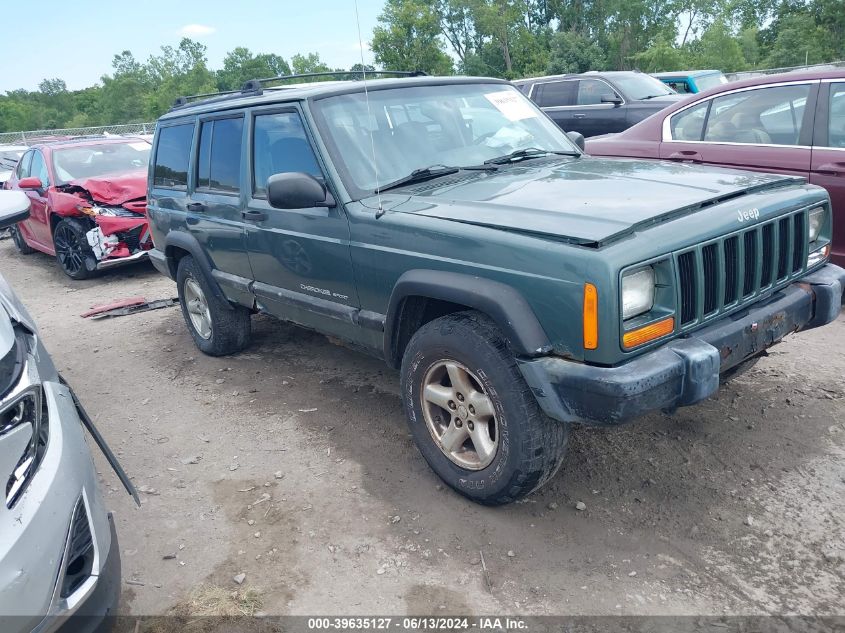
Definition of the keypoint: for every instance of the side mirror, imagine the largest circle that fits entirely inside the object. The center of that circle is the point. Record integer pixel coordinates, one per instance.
(577, 138)
(30, 182)
(614, 99)
(14, 208)
(297, 190)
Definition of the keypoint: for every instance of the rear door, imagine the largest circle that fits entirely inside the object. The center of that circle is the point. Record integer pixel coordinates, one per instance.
(828, 161)
(766, 128)
(300, 257)
(217, 198)
(557, 99)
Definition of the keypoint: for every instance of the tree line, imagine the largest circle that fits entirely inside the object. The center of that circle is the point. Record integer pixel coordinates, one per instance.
(501, 38)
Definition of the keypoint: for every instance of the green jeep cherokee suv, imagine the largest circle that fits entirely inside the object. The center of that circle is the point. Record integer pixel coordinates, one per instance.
(449, 227)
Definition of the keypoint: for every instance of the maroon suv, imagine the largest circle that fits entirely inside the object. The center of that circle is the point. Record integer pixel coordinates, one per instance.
(791, 124)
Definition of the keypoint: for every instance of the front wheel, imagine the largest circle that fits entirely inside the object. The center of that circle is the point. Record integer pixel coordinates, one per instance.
(217, 327)
(473, 417)
(73, 252)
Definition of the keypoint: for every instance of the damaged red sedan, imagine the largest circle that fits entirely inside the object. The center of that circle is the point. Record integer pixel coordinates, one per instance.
(88, 200)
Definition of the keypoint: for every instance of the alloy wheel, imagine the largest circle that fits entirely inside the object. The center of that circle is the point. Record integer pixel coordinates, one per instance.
(197, 307)
(460, 415)
(69, 249)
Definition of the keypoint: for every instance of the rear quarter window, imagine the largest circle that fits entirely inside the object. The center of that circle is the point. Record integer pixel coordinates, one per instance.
(173, 155)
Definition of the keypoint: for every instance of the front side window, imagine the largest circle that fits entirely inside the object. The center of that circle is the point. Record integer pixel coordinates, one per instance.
(766, 116)
(836, 118)
(89, 161)
(173, 155)
(556, 93)
(592, 91)
(689, 124)
(219, 160)
(38, 169)
(279, 146)
(455, 125)
(22, 170)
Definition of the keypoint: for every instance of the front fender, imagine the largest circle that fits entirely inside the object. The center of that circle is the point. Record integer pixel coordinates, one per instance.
(502, 303)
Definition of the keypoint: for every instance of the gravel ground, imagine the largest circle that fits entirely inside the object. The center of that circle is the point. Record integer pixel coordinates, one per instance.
(291, 463)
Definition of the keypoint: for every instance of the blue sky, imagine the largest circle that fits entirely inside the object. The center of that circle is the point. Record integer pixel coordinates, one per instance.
(76, 41)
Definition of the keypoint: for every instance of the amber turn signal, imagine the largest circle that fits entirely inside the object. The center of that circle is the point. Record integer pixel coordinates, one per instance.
(648, 333)
(591, 317)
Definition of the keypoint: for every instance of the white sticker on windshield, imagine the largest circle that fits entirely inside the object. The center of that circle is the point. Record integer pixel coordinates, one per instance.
(513, 105)
(140, 146)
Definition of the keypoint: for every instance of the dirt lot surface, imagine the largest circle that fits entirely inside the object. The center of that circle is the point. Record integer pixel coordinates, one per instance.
(291, 463)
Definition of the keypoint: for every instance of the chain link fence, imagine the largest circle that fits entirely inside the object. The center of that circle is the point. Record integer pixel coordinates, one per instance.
(748, 74)
(31, 136)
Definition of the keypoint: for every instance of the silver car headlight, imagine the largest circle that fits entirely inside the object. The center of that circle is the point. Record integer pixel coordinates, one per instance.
(817, 220)
(637, 292)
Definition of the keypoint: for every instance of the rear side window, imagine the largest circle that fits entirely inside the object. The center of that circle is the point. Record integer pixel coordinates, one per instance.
(219, 163)
(556, 93)
(173, 155)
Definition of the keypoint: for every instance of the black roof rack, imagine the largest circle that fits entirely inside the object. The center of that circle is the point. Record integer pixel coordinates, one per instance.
(255, 87)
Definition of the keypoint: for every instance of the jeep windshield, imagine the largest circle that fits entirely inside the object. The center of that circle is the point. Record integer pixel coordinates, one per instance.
(90, 161)
(410, 129)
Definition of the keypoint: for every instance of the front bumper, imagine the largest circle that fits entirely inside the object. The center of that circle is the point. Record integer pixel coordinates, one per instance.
(140, 256)
(685, 370)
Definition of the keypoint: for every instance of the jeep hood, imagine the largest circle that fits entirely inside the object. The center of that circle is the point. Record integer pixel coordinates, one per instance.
(585, 200)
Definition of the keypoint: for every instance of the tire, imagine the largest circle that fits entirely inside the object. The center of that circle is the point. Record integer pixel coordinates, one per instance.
(73, 253)
(529, 446)
(20, 242)
(228, 326)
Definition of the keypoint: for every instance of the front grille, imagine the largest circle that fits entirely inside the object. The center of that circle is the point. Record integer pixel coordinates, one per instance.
(736, 268)
(132, 238)
(80, 554)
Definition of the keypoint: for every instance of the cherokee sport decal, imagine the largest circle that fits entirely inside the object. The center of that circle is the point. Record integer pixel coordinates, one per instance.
(324, 291)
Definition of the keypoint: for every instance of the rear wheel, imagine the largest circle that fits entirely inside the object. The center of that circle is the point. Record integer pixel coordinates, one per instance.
(72, 250)
(217, 327)
(473, 417)
(20, 241)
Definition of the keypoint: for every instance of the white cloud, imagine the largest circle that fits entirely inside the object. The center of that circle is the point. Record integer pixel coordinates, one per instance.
(196, 30)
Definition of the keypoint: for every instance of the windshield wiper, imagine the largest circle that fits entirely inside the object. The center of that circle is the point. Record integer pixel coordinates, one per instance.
(433, 171)
(527, 152)
(665, 94)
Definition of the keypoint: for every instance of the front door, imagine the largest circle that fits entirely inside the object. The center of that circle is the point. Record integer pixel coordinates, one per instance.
(300, 257)
(828, 162)
(38, 223)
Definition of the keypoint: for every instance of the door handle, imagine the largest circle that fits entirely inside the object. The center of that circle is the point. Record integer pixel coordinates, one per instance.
(831, 169)
(687, 155)
(196, 207)
(254, 216)
(579, 115)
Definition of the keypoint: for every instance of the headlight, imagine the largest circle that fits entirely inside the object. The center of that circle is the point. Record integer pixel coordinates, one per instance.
(817, 218)
(637, 292)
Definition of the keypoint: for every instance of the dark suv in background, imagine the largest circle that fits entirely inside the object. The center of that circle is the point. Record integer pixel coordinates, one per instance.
(599, 103)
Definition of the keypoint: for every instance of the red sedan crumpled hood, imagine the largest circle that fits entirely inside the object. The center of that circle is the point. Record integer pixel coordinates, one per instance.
(116, 189)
